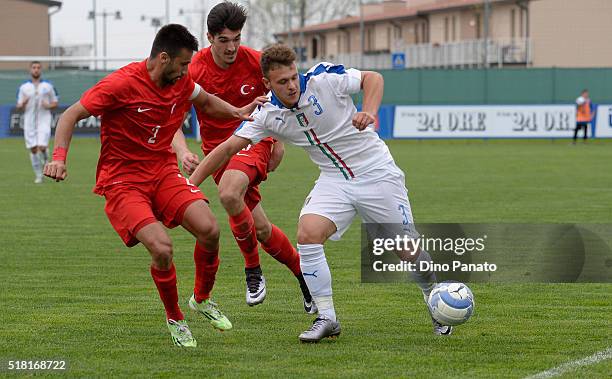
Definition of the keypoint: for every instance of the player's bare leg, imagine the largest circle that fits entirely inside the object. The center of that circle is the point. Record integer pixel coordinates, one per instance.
(199, 221)
(313, 231)
(154, 237)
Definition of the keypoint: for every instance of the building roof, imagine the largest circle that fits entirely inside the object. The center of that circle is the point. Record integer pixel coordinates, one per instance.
(393, 14)
(49, 3)
(443, 5)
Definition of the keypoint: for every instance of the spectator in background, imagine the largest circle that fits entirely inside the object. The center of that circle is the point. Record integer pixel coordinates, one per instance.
(36, 98)
(584, 114)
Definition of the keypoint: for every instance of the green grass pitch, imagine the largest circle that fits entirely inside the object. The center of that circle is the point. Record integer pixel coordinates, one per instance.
(70, 290)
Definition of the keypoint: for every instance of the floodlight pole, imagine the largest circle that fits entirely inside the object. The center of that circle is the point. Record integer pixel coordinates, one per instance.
(362, 34)
(104, 39)
(156, 22)
(92, 16)
(95, 34)
(167, 19)
(202, 12)
(487, 16)
(290, 33)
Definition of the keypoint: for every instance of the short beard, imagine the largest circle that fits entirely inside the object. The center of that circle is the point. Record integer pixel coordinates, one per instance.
(165, 81)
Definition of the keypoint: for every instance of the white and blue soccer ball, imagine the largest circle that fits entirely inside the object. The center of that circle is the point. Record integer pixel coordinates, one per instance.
(451, 303)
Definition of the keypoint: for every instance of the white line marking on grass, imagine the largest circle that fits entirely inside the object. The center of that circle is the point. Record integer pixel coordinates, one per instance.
(569, 366)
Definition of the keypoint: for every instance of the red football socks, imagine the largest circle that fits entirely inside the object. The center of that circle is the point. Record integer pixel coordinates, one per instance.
(281, 249)
(243, 228)
(206, 265)
(165, 280)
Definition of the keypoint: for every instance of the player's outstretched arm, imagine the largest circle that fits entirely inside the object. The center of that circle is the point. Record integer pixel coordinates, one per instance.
(218, 108)
(189, 160)
(217, 158)
(373, 85)
(56, 169)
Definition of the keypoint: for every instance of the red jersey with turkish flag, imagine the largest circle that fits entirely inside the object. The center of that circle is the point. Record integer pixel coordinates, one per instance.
(139, 120)
(239, 85)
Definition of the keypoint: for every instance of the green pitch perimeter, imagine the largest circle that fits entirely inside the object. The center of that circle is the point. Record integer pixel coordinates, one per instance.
(70, 290)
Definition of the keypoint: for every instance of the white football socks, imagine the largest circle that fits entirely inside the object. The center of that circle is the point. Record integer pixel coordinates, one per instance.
(36, 164)
(426, 280)
(43, 157)
(318, 277)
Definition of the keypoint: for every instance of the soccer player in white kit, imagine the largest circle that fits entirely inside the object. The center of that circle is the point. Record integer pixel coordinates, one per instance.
(36, 98)
(358, 174)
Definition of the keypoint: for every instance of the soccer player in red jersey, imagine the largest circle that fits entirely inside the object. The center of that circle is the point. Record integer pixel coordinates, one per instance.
(233, 73)
(142, 106)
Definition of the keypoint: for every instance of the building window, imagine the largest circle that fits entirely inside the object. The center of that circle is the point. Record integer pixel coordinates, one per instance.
(446, 31)
(478, 26)
(347, 39)
(370, 42)
(315, 48)
(522, 18)
(454, 28)
(323, 46)
(512, 23)
(421, 33)
(396, 40)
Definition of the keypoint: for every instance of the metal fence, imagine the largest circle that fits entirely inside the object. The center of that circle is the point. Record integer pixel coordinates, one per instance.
(464, 54)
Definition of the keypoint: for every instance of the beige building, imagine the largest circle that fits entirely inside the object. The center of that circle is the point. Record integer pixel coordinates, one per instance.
(17, 39)
(455, 33)
(568, 33)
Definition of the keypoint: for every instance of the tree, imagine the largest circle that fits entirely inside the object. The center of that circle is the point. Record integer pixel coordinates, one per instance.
(268, 17)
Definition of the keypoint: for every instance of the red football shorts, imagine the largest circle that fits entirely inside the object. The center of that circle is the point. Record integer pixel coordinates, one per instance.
(253, 161)
(131, 206)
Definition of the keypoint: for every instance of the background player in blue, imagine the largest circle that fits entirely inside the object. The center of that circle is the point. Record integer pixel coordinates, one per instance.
(358, 173)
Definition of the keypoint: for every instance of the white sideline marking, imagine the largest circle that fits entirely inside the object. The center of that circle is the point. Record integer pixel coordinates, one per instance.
(569, 366)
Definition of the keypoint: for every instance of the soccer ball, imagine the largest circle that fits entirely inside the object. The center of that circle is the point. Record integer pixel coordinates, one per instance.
(451, 303)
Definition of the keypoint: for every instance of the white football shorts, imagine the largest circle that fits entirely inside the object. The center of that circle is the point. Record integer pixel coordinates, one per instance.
(37, 135)
(379, 198)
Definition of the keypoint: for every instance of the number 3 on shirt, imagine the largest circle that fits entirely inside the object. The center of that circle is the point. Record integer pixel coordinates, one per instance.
(154, 130)
(315, 103)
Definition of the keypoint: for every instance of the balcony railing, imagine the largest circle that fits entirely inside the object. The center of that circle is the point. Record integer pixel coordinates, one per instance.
(464, 54)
